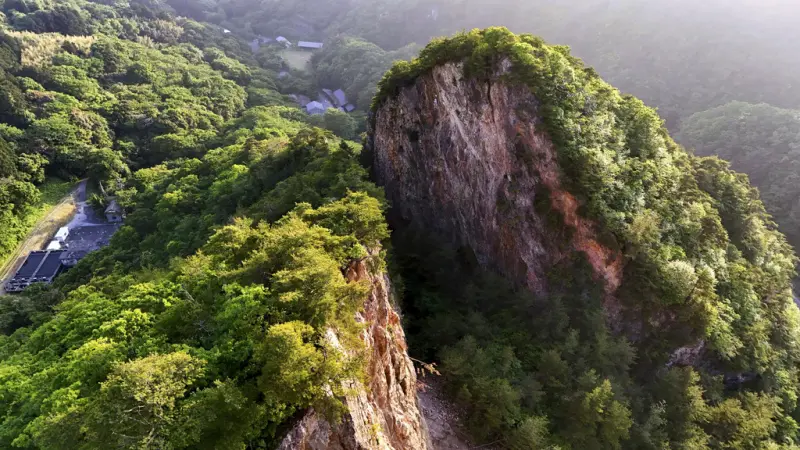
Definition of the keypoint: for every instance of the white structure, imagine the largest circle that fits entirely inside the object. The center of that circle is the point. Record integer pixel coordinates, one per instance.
(309, 45)
(226, 31)
(61, 234)
(54, 245)
(283, 41)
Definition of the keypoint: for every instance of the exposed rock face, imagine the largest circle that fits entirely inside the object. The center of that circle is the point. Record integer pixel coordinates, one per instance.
(383, 415)
(466, 160)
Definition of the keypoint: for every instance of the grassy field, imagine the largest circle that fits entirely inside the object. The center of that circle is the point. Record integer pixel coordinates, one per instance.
(297, 59)
(54, 210)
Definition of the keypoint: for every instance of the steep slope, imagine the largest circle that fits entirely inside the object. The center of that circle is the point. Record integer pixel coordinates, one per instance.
(384, 413)
(634, 277)
(761, 141)
(196, 330)
(244, 303)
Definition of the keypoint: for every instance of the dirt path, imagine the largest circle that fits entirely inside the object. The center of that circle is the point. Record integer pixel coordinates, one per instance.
(58, 216)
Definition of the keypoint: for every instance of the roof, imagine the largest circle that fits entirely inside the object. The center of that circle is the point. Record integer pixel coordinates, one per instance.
(349, 107)
(308, 44)
(113, 208)
(312, 107)
(62, 233)
(39, 266)
(340, 97)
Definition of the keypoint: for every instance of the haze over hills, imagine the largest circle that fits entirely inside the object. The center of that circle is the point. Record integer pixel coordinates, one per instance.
(490, 222)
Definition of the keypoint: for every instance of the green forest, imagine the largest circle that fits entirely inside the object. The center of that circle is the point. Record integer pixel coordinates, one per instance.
(764, 142)
(204, 323)
(700, 249)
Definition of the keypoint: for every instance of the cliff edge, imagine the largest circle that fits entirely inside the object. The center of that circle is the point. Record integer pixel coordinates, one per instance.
(384, 414)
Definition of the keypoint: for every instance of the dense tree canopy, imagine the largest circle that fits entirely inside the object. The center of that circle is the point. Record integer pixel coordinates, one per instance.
(124, 98)
(703, 263)
(204, 323)
(192, 329)
(680, 56)
(762, 141)
(355, 66)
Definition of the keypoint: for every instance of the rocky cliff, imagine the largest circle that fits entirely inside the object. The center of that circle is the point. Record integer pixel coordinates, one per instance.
(383, 415)
(467, 160)
(646, 265)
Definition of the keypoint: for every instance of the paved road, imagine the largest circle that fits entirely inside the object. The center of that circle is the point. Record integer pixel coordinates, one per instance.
(85, 214)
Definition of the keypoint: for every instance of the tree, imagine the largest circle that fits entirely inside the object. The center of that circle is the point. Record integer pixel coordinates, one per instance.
(138, 403)
(340, 123)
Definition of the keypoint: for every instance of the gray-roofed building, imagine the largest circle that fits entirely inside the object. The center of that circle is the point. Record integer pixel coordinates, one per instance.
(309, 45)
(325, 101)
(283, 41)
(114, 212)
(315, 108)
(39, 267)
(340, 97)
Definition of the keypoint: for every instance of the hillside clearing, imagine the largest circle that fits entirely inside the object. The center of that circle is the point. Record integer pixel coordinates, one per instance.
(55, 209)
(297, 59)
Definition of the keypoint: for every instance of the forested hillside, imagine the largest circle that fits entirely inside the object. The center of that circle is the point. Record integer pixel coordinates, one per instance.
(762, 141)
(222, 311)
(584, 281)
(680, 56)
(206, 322)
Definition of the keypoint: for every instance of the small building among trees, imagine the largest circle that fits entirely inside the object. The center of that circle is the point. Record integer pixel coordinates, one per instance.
(114, 212)
(315, 108)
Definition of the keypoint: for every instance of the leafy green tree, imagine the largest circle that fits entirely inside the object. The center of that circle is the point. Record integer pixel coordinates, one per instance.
(137, 404)
(340, 123)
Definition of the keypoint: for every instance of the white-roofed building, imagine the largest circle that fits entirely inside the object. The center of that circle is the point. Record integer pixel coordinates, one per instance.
(309, 45)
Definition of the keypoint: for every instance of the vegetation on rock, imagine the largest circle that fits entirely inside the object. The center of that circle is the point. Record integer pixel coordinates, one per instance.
(206, 323)
(703, 266)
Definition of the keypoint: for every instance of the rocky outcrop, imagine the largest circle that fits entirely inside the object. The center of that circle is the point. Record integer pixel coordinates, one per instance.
(466, 160)
(383, 415)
